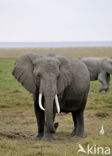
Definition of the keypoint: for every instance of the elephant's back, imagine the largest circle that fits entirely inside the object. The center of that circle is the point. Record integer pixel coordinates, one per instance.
(91, 61)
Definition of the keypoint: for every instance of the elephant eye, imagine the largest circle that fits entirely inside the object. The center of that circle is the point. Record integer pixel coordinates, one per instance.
(58, 76)
(39, 75)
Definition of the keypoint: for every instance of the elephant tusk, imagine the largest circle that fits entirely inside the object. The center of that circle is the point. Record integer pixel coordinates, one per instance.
(40, 102)
(57, 104)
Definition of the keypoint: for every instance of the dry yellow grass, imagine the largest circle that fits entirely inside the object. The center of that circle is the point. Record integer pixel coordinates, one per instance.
(77, 52)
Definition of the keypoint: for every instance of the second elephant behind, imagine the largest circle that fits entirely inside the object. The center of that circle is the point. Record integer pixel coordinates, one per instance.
(99, 69)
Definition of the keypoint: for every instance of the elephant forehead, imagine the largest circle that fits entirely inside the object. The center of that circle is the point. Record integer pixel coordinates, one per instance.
(49, 66)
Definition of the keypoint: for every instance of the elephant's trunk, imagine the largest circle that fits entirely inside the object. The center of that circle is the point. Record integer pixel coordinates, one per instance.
(48, 90)
(49, 114)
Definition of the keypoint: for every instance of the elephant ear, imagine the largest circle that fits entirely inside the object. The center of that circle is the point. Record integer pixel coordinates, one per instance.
(23, 71)
(65, 77)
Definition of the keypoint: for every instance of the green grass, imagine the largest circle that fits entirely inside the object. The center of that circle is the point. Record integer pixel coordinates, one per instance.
(18, 123)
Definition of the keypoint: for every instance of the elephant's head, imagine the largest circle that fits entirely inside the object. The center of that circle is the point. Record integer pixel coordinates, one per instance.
(107, 65)
(46, 74)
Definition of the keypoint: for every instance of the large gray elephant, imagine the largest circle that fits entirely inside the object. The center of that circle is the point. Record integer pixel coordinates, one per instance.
(99, 69)
(58, 85)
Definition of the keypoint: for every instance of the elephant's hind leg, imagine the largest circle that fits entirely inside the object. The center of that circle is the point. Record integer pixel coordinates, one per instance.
(78, 123)
(108, 79)
(78, 119)
(79, 131)
(75, 123)
(102, 77)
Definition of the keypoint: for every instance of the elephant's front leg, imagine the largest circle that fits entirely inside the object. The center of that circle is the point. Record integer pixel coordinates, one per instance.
(50, 129)
(40, 116)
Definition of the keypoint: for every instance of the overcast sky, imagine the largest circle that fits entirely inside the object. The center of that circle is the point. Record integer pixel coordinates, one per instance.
(55, 20)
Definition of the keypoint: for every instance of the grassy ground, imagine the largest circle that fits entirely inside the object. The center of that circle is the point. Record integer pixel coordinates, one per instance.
(18, 122)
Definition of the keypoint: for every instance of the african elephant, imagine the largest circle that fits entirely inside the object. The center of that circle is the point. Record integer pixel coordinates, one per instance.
(57, 85)
(99, 69)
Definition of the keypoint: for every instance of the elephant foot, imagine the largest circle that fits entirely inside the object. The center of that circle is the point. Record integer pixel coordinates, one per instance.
(39, 136)
(48, 137)
(78, 134)
(73, 133)
(56, 126)
(106, 90)
(82, 135)
(103, 89)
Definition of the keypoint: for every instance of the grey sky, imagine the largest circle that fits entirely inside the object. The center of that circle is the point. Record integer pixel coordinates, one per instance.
(55, 20)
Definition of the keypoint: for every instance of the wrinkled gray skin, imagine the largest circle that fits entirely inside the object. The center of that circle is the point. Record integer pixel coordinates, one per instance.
(51, 75)
(99, 69)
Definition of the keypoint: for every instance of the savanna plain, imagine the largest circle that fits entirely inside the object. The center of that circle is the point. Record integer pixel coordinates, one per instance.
(17, 119)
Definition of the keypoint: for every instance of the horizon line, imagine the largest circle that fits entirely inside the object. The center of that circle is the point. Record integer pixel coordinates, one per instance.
(52, 41)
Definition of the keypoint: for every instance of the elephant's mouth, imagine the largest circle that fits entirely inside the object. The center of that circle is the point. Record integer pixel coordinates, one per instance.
(56, 101)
